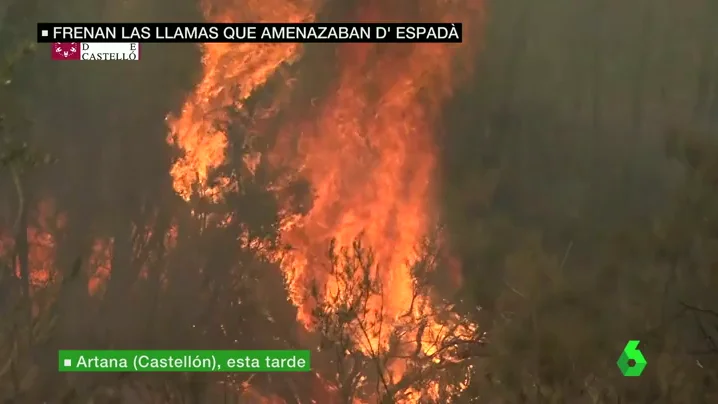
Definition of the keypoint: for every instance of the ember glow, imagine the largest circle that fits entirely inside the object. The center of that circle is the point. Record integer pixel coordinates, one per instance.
(368, 150)
(44, 223)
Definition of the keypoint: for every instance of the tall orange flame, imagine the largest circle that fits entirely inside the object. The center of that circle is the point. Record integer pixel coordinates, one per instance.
(231, 73)
(369, 154)
(371, 159)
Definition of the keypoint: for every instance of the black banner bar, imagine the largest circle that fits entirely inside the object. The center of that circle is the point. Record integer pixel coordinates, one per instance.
(242, 33)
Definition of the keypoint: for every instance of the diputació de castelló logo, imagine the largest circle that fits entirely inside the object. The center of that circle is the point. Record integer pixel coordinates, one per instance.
(66, 51)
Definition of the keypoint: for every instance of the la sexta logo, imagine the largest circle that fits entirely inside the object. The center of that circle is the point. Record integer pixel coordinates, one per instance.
(66, 51)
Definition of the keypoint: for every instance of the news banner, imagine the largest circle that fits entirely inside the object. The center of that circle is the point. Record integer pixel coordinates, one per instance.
(184, 361)
(104, 41)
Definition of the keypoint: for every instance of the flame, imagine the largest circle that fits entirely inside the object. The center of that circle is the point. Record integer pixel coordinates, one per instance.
(371, 159)
(371, 164)
(43, 230)
(368, 151)
(45, 222)
(101, 265)
(231, 73)
(100, 261)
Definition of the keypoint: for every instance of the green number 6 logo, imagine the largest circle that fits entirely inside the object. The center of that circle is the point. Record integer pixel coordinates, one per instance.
(631, 362)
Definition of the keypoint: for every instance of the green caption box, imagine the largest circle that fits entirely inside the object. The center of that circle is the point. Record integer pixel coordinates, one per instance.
(184, 361)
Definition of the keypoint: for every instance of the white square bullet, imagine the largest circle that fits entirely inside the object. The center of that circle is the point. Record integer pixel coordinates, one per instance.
(67, 362)
(44, 32)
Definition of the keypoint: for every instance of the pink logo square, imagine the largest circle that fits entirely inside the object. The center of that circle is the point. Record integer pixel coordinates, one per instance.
(66, 51)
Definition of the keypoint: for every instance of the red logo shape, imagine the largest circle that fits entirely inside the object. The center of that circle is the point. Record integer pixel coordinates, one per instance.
(66, 51)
